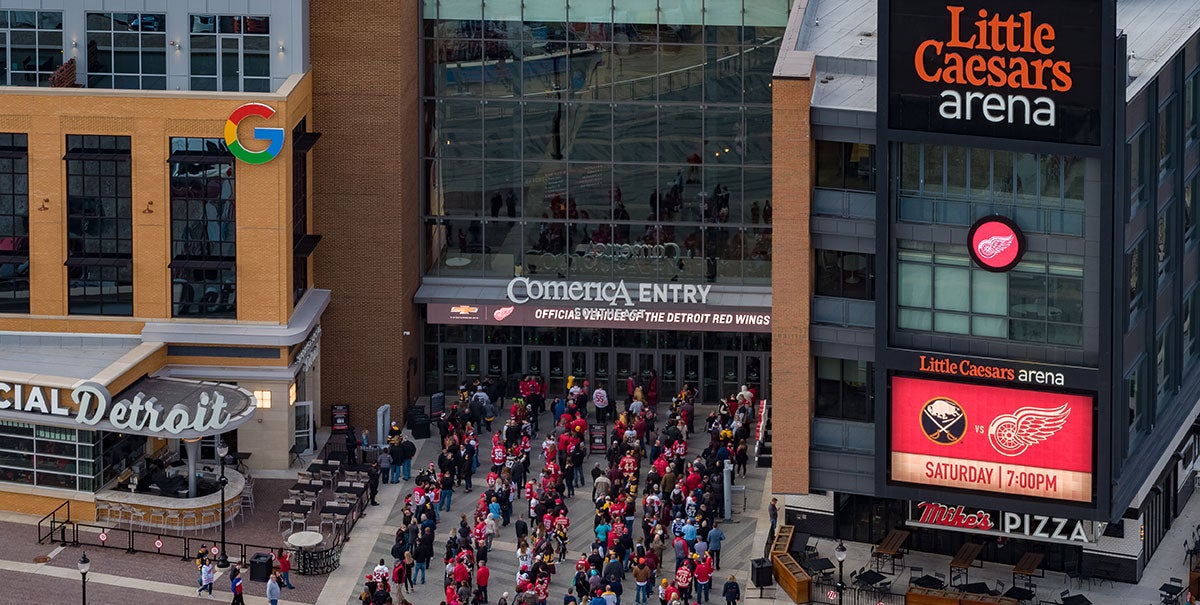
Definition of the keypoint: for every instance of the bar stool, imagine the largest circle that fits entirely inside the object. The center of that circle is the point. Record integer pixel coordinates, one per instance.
(103, 508)
(136, 516)
(191, 514)
(174, 519)
(208, 517)
(161, 515)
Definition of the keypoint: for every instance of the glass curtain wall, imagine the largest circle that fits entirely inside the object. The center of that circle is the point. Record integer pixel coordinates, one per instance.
(590, 139)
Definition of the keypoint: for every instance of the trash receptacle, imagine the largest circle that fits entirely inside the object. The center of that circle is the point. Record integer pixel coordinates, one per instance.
(260, 567)
(420, 427)
(760, 573)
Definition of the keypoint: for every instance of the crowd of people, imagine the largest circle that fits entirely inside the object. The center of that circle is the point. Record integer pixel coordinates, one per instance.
(655, 508)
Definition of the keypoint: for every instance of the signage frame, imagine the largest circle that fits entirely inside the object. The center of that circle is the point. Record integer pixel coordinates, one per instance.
(1091, 511)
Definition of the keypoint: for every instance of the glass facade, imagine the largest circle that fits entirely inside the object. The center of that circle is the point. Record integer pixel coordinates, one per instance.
(72, 459)
(956, 185)
(230, 53)
(127, 50)
(599, 140)
(14, 223)
(99, 225)
(31, 46)
(203, 229)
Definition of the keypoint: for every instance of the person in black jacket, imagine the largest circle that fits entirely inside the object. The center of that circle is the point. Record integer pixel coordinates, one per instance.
(408, 451)
(732, 592)
(373, 482)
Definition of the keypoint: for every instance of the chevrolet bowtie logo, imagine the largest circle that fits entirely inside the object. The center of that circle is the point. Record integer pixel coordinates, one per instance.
(464, 310)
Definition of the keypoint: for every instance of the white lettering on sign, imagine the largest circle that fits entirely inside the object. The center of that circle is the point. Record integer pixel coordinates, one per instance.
(1017, 525)
(93, 404)
(522, 290)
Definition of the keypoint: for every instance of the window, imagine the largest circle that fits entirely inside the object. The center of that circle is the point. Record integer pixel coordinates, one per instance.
(99, 226)
(1165, 361)
(14, 224)
(1164, 242)
(1191, 350)
(1168, 135)
(1133, 273)
(1135, 388)
(299, 214)
(230, 53)
(203, 229)
(1039, 301)
(1191, 108)
(262, 399)
(1191, 188)
(32, 45)
(846, 166)
(845, 274)
(843, 389)
(127, 50)
(1140, 169)
(958, 185)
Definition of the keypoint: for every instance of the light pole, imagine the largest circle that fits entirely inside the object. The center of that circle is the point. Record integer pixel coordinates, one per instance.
(222, 451)
(84, 565)
(839, 553)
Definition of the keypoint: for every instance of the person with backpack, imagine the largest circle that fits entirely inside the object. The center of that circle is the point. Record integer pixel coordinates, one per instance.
(489, 414)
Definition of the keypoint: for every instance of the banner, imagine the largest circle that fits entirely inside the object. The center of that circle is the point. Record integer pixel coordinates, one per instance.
(601, 315)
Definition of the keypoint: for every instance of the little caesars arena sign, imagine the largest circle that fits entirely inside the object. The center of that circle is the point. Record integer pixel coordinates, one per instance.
(1012, 69)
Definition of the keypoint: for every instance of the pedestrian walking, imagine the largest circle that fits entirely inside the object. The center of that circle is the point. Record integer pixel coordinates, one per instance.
(273, 589)
(207, 577)
(773, 513)
(385, 465)
(482, 575)
(235, 586)
(408, 451)
(732, 592)
(284, 558)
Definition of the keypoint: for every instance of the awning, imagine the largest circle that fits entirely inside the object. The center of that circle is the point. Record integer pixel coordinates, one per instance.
(306, 245)
(154, 407)
(305, 142)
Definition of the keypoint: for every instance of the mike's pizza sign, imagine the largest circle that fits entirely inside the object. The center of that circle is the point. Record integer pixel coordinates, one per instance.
(1019, 70)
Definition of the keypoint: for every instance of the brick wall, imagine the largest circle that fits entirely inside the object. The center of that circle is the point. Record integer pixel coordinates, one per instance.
(791, 289)
(365, 190)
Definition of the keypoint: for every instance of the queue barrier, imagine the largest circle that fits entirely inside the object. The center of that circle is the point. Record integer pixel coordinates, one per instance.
(56, 527)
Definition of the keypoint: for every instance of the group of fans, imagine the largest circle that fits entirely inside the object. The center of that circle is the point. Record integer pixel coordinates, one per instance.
(655, 509)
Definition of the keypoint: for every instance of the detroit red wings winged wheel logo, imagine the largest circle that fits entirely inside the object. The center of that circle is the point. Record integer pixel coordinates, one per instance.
(994, 245)
(1012, 434)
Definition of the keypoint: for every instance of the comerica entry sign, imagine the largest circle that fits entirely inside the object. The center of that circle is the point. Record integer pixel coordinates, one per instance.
(1019, 70)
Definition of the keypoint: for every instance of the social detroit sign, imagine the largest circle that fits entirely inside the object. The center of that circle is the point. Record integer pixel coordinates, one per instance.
(991, 439)
(1002, 68)
(90, 403)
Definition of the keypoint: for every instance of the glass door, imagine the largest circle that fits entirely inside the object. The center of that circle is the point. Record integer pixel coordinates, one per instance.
(451, 373)
(709, 384)
(579, 366)
(534, 363)
(731, 367)
(472, 363)
(304, 425)
(668, 376)
(624, 370)
(556, 368)
(602, 372)
(691, 371)
(495, 367)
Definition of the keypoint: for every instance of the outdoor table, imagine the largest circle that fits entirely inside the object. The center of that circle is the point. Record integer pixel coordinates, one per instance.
(961, 564)
(1020, 594)
(318, 467)
(1028, 566)
(976, 588)
(819, 565)
(889, 548)
(1170, 592)
(929, 582)
(353, 489)
(304, 539)
(870, 577)
(1076, 599)
(298, 509)
(306, 487)
(343, 510)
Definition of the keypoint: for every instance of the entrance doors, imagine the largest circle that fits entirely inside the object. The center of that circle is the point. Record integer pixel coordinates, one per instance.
(714, 373)
(303, 436)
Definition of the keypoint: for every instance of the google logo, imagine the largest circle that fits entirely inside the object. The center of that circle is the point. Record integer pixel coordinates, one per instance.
(272, 135)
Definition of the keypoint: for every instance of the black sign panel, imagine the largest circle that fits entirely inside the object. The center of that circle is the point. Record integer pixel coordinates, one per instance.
(997, 68)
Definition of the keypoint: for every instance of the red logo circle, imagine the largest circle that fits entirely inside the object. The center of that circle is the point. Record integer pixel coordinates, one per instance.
(103, 536)
(996, 243)
(158, 544)
(214, 550)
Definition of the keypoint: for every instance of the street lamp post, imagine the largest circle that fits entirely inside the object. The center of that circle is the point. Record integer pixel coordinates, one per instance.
(84, 565)
(222, 451)
(840, 554)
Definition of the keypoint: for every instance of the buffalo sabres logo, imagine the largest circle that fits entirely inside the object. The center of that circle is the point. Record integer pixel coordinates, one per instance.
(1012, 434)
(943, 421)
(994, 245)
